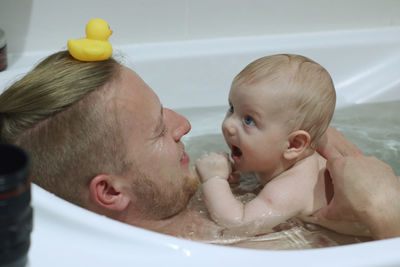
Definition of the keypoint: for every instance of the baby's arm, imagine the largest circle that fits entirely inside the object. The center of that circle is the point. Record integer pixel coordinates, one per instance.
(214, 170)
(270, 207)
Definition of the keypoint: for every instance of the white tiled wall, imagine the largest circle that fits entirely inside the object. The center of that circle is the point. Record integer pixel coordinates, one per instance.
(33, 25)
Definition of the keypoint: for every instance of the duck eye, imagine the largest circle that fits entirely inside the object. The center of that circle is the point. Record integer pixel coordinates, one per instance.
(248, 120)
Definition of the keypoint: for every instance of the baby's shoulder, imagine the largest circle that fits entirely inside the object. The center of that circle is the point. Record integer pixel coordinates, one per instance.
(308, 166)
(313, 164)
(302, 173)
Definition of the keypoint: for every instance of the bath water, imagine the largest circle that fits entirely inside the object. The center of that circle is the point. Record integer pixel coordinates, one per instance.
(375, 128)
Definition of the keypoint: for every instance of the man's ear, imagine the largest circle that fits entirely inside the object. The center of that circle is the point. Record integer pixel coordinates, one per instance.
(104, 194)
(298, 141)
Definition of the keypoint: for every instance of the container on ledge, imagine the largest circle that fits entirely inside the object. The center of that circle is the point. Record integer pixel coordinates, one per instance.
(3, 51)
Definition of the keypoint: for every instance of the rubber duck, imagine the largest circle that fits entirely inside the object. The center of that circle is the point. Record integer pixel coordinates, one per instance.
(95, 47)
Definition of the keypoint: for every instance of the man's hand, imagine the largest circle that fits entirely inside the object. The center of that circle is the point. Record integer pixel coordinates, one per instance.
(365, 188)
(334, 144)
(358, 186)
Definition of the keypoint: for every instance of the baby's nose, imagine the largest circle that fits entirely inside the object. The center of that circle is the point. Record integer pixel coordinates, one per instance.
(228, 127)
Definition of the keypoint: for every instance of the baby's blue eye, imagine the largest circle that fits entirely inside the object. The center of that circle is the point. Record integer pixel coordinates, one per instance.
(230, 109)
(249, 121)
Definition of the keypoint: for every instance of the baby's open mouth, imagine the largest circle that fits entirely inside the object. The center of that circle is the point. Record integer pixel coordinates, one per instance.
(236, 152)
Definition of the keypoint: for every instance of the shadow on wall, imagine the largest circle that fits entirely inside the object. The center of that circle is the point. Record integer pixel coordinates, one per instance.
(14, 20)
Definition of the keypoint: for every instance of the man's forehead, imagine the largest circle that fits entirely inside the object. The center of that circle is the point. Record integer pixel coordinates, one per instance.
(136, 101)
(130, 79)
(130, 86)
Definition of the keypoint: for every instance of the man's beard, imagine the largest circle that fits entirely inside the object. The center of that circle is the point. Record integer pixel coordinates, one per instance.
(161, 201)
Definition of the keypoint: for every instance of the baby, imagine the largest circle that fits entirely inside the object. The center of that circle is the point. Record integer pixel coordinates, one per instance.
(279, 107)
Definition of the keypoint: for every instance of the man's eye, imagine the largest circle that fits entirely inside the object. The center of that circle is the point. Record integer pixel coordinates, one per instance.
(163, 132)
(249, 121)
(230, 110)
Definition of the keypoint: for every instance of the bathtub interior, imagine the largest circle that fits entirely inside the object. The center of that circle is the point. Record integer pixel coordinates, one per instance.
(197, 74)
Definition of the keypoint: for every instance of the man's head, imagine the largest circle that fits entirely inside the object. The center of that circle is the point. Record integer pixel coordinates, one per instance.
(278, 105)
(81, 122)
(162, 181)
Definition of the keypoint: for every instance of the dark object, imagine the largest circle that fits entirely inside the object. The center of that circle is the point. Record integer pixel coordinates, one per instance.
(3, 51)
(15, 209)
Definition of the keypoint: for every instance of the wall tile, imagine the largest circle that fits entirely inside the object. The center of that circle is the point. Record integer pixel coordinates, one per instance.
(47, 24)
(227, 18)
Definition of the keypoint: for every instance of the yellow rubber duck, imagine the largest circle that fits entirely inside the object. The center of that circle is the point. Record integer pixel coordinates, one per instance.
(95, 47)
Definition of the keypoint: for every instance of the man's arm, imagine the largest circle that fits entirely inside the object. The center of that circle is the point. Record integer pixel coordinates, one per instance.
(335, 144)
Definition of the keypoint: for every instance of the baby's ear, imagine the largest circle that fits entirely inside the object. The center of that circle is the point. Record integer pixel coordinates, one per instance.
(298, 142)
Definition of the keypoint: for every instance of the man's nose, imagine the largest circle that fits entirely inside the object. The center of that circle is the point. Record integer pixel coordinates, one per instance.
(179, 125)
(228, 127)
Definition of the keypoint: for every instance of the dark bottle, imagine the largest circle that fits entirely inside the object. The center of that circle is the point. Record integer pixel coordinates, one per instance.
(3, 51)
(15, 208)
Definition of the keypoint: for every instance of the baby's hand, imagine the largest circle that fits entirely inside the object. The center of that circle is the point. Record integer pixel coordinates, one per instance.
(213, 165)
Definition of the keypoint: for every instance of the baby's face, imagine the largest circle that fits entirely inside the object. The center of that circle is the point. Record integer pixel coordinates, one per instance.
(254, 128)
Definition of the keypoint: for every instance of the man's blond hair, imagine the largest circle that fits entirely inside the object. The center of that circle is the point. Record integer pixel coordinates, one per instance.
(308, 86)
(60, 115)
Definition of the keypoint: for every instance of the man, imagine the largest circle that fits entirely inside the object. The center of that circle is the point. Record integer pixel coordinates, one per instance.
(100, 138)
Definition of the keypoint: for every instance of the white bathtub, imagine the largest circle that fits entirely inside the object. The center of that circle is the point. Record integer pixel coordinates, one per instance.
(365, 67)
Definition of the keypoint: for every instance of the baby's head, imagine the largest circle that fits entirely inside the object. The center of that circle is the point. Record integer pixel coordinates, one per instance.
(280, 95)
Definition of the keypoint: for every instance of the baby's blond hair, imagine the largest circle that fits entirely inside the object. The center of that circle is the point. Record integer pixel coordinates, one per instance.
(310, 87)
